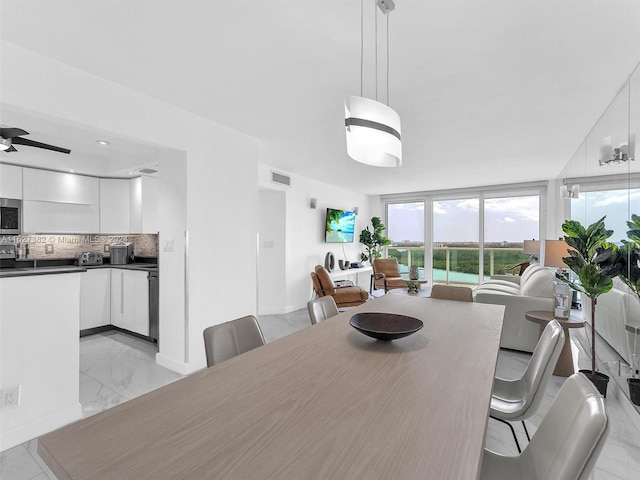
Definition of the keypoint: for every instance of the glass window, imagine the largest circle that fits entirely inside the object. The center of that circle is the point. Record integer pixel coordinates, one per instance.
(508, 221)
(617, 205)
(405, 229)
(455, 241)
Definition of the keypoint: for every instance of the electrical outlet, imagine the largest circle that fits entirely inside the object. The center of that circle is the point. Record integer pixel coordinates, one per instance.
(11, 397)
(168, 246)
(48, 248)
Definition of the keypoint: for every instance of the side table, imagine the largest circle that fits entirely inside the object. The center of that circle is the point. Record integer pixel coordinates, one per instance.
(564, 367)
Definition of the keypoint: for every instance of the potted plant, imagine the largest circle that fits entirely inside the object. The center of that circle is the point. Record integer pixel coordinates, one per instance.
(595, 262)
(373, 240)
(630, 275)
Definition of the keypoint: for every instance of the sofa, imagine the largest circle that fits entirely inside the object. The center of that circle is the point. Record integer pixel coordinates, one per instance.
(616, 310)
(533, 290)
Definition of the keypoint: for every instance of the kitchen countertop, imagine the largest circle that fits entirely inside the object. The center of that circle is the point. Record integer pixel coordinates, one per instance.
(50, 270)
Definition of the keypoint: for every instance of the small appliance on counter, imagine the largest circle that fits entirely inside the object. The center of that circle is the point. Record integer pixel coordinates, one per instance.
(7, 251)
(89, 258)
(121, 253)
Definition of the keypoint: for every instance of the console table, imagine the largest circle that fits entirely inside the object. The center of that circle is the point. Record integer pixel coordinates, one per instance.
(351, 272)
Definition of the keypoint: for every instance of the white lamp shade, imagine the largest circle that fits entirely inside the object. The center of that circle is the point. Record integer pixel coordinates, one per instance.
(373, 132)
(532, 247)
(554, 250)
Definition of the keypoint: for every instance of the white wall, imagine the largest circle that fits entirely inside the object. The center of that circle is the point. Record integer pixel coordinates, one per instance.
(219, 164)
(305, 230)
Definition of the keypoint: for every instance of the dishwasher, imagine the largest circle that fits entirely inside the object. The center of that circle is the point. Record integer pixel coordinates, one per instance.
(154, 294)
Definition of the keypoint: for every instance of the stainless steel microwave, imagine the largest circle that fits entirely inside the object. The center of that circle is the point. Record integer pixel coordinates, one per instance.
(10, 216)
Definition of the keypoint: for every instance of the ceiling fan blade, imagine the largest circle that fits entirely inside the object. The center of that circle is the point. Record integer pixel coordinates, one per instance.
(12, 132)
(11, 149)
(32, 143)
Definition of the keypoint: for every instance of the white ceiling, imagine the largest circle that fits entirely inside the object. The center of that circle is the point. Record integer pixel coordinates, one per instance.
(489, 91)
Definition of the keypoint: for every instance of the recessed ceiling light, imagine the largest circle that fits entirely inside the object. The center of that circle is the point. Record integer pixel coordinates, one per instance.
(72, 171)
(104, 143)
(132, 173)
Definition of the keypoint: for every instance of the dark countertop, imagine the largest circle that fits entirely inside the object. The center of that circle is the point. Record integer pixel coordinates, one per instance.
(43, 268)
(30, 271)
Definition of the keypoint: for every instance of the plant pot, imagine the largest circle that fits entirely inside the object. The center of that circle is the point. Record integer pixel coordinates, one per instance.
(600, 381)
(634, 390)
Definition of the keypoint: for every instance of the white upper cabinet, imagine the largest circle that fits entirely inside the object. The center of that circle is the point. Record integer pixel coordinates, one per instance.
(144, 205)
(54, 217)
(115, 207)
(10, 181)
(57, 202)
(46, 186)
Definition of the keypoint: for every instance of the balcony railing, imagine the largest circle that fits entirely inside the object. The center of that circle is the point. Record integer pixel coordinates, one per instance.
(499, 258)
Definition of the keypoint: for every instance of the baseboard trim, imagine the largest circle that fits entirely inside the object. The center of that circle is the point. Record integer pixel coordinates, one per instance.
(173, 365)
(40, 426)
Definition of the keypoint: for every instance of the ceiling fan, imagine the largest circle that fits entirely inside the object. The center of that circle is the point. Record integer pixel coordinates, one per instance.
(13, 136)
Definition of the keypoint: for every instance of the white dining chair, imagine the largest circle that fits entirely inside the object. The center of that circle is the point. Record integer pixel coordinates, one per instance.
(518, 399)
(226, 340)
(321, 309)
(567, 443)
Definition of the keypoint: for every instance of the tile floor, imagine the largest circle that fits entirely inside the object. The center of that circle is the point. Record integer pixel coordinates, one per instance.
(116, 367)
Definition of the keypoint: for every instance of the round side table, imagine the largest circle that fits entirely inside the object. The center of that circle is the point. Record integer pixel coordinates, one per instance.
(564, 367)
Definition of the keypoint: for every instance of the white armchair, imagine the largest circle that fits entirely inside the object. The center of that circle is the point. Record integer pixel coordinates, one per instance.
(519, 294)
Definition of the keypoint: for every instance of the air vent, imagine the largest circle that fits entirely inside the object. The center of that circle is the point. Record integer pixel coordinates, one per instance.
(147, 171)
(279, 178)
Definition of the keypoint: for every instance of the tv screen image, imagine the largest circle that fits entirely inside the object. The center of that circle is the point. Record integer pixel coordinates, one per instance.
(340, 226)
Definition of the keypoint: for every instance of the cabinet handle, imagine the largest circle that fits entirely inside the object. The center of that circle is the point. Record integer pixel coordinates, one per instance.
(122, 294)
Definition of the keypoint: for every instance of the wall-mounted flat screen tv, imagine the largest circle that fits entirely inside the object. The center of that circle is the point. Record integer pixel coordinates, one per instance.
(340, 226)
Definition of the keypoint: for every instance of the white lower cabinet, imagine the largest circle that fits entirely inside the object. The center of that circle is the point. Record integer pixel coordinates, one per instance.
(130, 300)
(95, 298)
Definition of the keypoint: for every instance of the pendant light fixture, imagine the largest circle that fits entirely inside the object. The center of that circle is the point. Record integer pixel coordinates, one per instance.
(373, 128)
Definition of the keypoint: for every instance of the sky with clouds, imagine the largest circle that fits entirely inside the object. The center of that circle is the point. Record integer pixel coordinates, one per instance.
(506, 219)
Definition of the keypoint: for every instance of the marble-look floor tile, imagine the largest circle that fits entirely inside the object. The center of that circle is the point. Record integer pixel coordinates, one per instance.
(278, 326)
(124, 369)
(96, 397)
(18, 464)
(32, 448)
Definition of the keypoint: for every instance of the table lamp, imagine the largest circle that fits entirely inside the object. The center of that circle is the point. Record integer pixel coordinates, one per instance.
(532, 248)
(554, 250)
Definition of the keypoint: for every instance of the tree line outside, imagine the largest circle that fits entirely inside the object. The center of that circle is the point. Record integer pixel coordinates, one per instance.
(463, 261)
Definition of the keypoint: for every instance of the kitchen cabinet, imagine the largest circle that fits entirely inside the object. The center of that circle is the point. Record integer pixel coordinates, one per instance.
(10, 181)
(130, 300)
(95, 298)
(46, 186)
(115, 205)
(52, 217)
(144, 205)
(55, 202)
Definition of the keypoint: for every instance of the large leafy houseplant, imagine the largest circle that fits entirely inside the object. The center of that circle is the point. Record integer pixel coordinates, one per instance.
(595, 262)
(373, 240)
(630, 256)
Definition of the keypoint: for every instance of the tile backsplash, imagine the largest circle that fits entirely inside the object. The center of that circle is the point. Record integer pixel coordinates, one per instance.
(49, 246)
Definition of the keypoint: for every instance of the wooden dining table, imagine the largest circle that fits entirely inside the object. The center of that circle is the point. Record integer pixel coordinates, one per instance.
(326, 402)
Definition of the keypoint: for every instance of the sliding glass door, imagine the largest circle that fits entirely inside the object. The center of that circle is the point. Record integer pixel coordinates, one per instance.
(405, 229)
(470, 234)
(456, 241)
(508, 221)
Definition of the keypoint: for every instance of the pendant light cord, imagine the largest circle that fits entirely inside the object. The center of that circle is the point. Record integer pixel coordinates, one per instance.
(375, 9)
(361, 44)
(387, 59)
